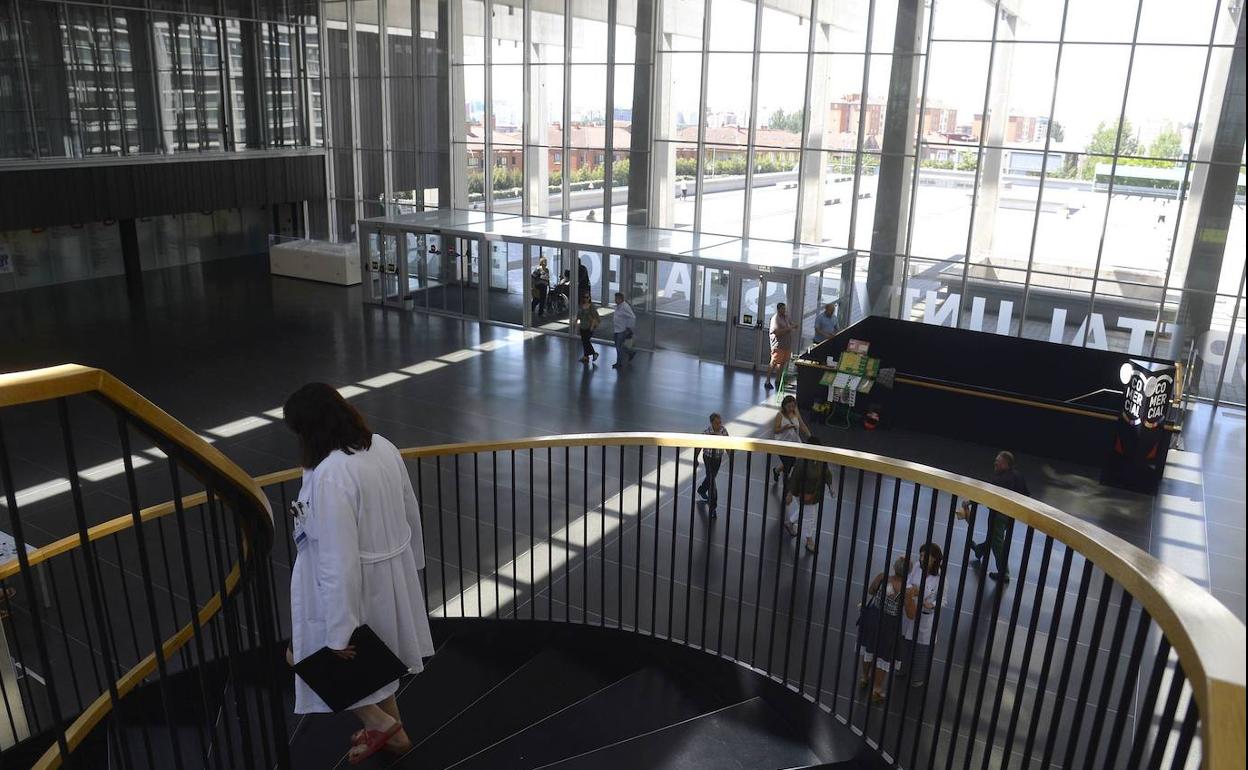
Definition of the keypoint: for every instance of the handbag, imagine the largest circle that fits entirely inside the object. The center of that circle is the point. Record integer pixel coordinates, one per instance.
(869, 617)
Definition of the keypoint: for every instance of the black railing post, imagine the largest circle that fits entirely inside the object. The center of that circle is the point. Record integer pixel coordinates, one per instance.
(1076, 623)
(459, 538)
(1037, 703)
(762, 551)
(658, 516)
(720, 649)
(584, 535)
(866, 584)
(497, 566)
(641, 467)
(1126, 693)
(693, 503)
(849, 585)
(515, 536)
(1037, 604)
(827, 600)
(1089, 664)
(810, 590)
(745, 535)
(1144, 712)
(145, 567)
(476, 527)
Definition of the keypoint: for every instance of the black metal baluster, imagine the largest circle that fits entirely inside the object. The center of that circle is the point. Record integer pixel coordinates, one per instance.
(762, 550)
(810, 589)
(1125, 695)
(437, 474)
(550, 534)
(494, 522)
(285, 517)
(164, 555)
(532, 543)
(476, 527)
(827, 603)
(220, 650)
(515, 537)
(1089, 664)
(950, 522)
(900, 643)
(658, 517)
(602, 544)
(1006, 654)
(1037, 604)
(269, 642)
(1144, 714)
(918, 618)
(720, 648)
(641, 468)
(197, 637)
(86, 624)
(108, 643)
(866, 583)
(745, 533)
(693, 502)
(706, 570)
(888, 571)
(953, 636)
(671, 569)
(802, 513)
(1050, 644)
(145, 568)
(1165, 727)
(228, 608)
(1076, 623)
(849, 586)
(584, 535)
(60, 619)
(619, 584)
(567, 534)
(248, 593)
(775, 592)
(459, 539)
(1187, 732)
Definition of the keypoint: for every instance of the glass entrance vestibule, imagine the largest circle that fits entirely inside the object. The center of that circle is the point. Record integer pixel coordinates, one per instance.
(709, 296)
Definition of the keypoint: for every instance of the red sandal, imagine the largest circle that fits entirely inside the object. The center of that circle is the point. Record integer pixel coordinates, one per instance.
(371, 741)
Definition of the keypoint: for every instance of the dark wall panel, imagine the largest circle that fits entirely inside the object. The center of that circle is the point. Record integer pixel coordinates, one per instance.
(45, 197)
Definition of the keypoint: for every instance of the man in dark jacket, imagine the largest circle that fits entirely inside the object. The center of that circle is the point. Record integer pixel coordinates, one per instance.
(1000, 526)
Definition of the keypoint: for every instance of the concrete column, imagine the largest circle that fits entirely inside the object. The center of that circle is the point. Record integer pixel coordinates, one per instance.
(643, 119)
(813, 179)
(458, 121)
(131, 259)
(663, 180)
(1201, 243)
(992, 131)
(896, 170)
(537, 139)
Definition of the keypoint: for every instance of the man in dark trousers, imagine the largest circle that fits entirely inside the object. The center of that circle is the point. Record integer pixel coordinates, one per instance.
(1000, 526)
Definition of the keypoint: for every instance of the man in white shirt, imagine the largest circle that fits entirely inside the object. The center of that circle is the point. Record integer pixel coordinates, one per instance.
(624, 321)
(781, 342)
(918, 619)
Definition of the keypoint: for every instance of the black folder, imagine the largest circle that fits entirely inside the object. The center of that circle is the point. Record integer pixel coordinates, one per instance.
(339, 682)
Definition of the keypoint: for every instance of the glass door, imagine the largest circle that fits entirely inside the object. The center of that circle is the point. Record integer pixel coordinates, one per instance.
(712, 313)
(506, 282)
(639, 291)
(417, 280)
(757, 299)
(551, 311)
(391, 261)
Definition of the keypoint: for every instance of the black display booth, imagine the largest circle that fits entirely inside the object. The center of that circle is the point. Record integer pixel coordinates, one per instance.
(1037, 397)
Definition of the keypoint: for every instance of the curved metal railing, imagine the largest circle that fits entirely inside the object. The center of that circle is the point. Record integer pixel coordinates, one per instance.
(182, 602)
(1097, 655)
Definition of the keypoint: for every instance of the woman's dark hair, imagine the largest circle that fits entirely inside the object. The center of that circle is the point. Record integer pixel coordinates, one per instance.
(935, 555)
(324, 421)
(785, 402)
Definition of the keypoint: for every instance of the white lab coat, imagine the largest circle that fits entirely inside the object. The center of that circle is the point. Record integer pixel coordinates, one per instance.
(360, 546)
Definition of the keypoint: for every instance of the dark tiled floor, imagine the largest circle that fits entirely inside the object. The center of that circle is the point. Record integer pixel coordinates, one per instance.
(222, 345)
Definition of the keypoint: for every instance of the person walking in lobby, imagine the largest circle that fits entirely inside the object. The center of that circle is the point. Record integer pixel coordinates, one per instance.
(358, 533)
(788, 426)
(803, 491)
(623, 322)
(922, 599)
(1000, 526)
(586, 321)
(712, 459)
(826, 323)
(781, 334)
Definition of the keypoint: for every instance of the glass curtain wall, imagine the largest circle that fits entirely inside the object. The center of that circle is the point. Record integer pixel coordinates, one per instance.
(385, 76)
(542, 99)
(86, 81)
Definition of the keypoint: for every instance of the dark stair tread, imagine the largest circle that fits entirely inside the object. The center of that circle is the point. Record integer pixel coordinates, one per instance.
(555, 678)
(647, 700)
(465, 668)
(745, 736)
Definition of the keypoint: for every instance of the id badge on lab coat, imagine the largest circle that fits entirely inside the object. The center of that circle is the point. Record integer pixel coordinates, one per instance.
(299, 512)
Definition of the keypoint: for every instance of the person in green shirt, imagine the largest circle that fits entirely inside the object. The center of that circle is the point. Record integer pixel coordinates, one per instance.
(586, 321)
